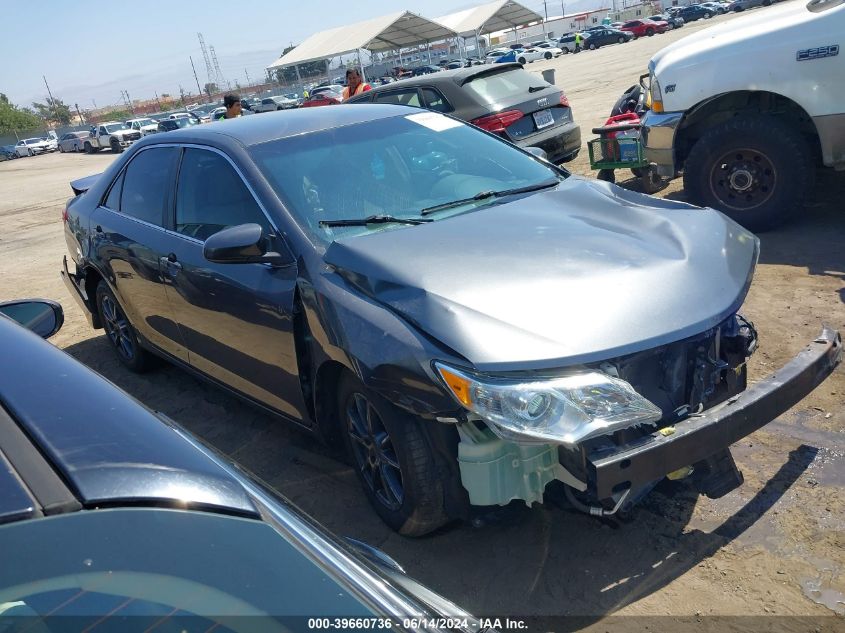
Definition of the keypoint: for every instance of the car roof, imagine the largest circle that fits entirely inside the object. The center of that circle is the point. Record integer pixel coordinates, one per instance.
(89, 445)
(271, 126)
(458, 76)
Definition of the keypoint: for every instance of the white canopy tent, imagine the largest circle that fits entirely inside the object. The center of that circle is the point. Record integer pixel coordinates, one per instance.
(499, 15)
(388, 32)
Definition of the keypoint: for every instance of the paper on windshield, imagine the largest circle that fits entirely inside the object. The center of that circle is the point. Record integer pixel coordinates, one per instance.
(434, 121)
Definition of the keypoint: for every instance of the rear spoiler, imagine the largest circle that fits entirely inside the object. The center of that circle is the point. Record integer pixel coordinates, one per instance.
(489, 69)
(81, 185)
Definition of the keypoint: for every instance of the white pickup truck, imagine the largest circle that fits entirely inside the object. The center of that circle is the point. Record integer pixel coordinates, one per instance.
(111, 135)
(748, 110)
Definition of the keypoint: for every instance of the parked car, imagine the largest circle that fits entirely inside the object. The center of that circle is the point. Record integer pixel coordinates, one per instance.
(644, 28)
(694, 12)
(718, 7)
(552, 47)
(427, 294)
(32, 146)
(323, 96)
(752, 154)
(52, 142)
(567, 43)
(503, 99)
(280, 102)
(602, 37)
(426, 70)
(8, 152)
(116, 518)
(742, 5)
(494, 54)
(169, 125)
(674, 22)
(72, 141)
(144, 125)
(528, 55)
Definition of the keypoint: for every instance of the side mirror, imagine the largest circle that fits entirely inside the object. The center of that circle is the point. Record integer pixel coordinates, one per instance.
(41, 316)
(538, 152)
(242, 244)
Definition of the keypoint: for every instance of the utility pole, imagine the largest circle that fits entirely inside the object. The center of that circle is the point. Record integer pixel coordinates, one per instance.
(246, 72)
(128, 102)
(545, 9)
(195, 77)
(79, 114)
(157, 101)
(52, 103)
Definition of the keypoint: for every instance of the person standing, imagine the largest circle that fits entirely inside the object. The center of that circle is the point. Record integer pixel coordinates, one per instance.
(232, 103)
(579, 40)
(354, 84)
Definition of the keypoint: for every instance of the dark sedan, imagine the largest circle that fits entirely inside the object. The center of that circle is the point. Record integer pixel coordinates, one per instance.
(503, 99)
(470, 321)
(693, 12)
(115, 518)
(597, 38)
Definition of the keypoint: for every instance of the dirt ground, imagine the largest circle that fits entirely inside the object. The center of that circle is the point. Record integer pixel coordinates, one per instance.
(773, 547)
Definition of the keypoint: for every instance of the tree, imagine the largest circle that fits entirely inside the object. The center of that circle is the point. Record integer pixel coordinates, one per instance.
(210, 88)
(165, 95)
(54, 111)
(14, 118)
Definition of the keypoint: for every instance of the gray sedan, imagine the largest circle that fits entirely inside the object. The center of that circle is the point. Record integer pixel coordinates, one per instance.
(72, 141)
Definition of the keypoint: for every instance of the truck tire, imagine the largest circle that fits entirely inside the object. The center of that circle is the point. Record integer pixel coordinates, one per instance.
(755, 169)
(115, 146)
(89, 149)
(393, 460)
(120, 333)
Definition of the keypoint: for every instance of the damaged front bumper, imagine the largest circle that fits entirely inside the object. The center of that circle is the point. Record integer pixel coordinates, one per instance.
(701, 436)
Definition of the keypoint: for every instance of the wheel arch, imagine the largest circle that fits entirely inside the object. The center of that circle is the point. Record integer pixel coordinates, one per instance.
(725, 106)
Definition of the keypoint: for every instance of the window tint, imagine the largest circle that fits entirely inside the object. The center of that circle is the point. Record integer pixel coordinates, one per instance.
(113, 201)
(436, 101)
(502, 85)
(103, 130)
(146, 184)
(404, 97)
(212, 196)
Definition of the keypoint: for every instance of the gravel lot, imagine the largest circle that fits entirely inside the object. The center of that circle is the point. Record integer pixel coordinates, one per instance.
(774, 546)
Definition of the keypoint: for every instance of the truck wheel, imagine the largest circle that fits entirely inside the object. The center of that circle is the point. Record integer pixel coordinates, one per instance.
(394, 462)
(756, 170)
(607, 175)
(120, 333)
(115, 147)
(88, 148)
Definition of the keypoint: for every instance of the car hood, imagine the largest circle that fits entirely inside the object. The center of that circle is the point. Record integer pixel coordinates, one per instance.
(584, 272)
(742, 36)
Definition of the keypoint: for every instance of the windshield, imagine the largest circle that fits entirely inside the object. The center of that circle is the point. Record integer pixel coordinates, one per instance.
(504, 85)
(114, 127)
(143, 122)
(395, 166)
(32, 141)
(164, 570)
(183, 122)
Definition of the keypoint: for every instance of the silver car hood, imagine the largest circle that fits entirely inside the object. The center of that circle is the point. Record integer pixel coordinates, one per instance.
(584, 272)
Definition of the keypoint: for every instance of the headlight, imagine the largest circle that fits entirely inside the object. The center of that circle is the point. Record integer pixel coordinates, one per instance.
(655, 96)
(565, 410)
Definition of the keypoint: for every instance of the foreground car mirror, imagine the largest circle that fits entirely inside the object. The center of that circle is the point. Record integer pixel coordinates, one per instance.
(41, 316)
(242, 244)
(538, 152)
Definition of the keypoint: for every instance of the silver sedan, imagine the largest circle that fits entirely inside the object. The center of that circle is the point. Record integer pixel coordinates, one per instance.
(72, 141)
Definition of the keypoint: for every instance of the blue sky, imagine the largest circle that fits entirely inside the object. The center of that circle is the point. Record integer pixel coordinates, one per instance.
(93, 49)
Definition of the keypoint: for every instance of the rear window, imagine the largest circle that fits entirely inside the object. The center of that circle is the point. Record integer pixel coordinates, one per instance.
(504, 86)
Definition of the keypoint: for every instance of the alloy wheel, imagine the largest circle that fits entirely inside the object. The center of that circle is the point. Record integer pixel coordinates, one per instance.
(374, 454)
(117, 328)
(743, 179)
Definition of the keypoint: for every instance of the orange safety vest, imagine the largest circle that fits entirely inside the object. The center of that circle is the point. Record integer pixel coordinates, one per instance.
(362, 87)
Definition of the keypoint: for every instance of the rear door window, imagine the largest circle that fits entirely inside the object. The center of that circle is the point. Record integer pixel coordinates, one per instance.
(408, 97)
(147, 183)
(510, 85)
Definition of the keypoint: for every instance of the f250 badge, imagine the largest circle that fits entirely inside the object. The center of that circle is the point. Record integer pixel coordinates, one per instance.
(817, 53)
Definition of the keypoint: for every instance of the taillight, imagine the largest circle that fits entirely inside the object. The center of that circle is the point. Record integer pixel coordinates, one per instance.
(563, 100)
(498, 122)
(64, 215)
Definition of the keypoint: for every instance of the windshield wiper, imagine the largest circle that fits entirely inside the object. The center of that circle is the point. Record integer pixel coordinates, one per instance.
(537, 88)
(373, 219)
(483, 195)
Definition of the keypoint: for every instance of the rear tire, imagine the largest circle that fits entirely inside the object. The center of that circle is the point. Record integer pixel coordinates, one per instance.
(707, 16)
(61, 150)
(521, 60)
(592, 47)
(620, 40)
(755, 169)
(607, 175)
(120, 333)
(547, 56)
(649, 32)
(392, 459)
(566, 51)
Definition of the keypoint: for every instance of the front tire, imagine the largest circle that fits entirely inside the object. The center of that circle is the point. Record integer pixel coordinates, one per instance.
(115, 147)
(592, 47)
(89, 149)
(392, 459)
(620, 40)
(707, 16)
(649, 32)
(120, 333)
(521, 60)
(756, 170)
(547, 56)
